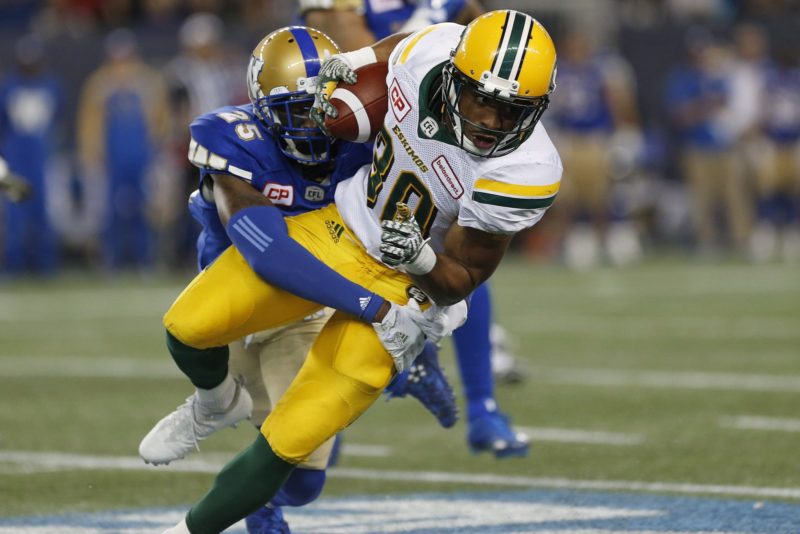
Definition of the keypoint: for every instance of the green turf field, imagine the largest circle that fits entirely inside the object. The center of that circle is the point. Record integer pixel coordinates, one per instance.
(666, 373)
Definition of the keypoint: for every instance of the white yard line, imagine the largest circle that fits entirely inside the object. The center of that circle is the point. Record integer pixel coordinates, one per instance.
(87, 367)
(755, 422)
(666, 379)
(370, 451)
(643, 327)
(571, 435)
(27, 462)
(131, 367)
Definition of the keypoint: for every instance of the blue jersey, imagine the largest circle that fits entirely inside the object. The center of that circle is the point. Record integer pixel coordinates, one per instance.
(232, 140)
(29, 111)
(385, 17)
(782, 105)
(690, 86)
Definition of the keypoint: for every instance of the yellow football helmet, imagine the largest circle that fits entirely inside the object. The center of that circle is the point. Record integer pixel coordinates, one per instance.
(280, 73)
(508, 59)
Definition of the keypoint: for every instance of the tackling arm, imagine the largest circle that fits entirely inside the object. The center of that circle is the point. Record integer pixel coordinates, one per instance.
(257, 229)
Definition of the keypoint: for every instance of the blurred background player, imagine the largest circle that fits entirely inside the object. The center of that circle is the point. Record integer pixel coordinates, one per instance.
(122, 120)
(358, 23)
(777, 232)
(203, 76)
(594, 115)
(30, 106)
(277, 149)
(699, 99)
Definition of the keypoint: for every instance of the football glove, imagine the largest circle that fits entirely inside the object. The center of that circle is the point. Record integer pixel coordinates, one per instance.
(402, 244)
(439, 322)
(401, 335)
(335, 69)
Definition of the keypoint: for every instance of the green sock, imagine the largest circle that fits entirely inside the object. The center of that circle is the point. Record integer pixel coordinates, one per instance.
(248, 482)
(206, 368)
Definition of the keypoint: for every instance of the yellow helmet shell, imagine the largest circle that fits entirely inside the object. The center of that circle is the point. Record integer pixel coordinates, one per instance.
(509, 53)
(283, 60)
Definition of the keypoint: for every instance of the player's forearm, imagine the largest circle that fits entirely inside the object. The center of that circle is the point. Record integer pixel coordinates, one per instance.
(259, 233)
(448, 283)
(383, 48)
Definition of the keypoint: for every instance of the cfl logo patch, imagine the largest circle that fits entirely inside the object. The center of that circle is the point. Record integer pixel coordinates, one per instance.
(400, 105)
(279, 194)
(314, 193)
(429, 126)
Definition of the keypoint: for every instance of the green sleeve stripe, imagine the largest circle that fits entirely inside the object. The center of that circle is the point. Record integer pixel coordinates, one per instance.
(512, 202)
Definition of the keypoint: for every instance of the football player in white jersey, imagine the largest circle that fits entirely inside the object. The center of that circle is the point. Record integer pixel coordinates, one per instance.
(482, 347)
(463, 151)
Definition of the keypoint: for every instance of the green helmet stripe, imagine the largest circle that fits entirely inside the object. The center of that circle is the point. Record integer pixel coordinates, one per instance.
(515, 47)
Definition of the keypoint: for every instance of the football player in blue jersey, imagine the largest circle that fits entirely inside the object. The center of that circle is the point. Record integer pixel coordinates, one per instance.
(273, 148)
(481, 347)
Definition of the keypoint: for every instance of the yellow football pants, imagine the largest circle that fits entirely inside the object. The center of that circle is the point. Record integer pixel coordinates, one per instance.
(347, 367)
(268, 362)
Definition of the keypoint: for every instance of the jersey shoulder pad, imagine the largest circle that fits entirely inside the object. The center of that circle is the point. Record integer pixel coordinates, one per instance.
(228, 140)
(512, 192)
(428, 47)
(336, 5)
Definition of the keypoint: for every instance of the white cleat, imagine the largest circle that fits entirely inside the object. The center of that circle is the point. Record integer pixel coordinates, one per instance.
(180, 432)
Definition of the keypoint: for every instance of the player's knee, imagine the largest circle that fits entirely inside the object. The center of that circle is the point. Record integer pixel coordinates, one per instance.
(184, 327)
(300, 425)
(302, 487)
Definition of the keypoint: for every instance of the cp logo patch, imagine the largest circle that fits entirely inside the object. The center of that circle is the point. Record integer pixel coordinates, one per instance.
(400, 105)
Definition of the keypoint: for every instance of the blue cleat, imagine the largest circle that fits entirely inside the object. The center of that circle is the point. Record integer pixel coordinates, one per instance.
(492, 432)
(267, 520)
(426, 382)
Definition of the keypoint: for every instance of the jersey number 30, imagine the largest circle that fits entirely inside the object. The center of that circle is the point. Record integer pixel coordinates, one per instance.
(406, 186)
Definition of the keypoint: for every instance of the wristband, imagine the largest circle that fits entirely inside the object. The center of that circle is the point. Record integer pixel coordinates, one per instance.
(358, 58)
(423, 263)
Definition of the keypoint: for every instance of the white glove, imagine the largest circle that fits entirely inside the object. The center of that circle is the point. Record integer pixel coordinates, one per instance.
(441, 321)
(401, 335)
(337, 68)
(402, 244)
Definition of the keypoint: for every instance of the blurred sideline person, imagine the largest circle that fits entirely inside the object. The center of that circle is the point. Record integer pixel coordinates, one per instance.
(30, 109)
(594, 113)
(476, 112)
(483, 349)
(201, 78)
(777, 233)
(276, 149)
(122, 120)
(698, 96)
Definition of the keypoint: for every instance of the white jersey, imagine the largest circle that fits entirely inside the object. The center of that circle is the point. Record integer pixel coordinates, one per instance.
(417, 161)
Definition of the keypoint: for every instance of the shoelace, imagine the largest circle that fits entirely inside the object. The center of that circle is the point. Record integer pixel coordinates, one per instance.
(176, 421)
